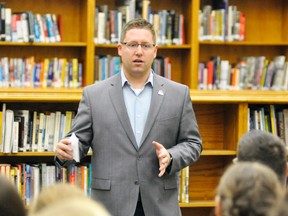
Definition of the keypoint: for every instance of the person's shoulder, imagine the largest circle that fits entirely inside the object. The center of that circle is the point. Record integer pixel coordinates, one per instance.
(169, 83)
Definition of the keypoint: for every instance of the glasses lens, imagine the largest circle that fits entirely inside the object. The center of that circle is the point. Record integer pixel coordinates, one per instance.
(134, 45)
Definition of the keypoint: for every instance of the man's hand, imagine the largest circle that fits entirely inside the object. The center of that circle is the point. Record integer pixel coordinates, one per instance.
(163, 157)
(63, 150)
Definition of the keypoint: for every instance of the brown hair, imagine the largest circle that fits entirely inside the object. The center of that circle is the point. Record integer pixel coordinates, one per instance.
(249, 188)
(138, 23)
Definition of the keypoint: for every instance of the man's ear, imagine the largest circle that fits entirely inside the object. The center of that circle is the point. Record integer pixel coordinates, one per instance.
(218, 208)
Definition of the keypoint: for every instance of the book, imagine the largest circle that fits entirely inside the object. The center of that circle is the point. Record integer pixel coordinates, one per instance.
(8, 141)
(8, 24)
(25, 114)
(2, 21)
(285, 118)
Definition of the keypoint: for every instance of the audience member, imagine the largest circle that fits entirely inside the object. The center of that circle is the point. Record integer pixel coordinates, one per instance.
(266, 148)
(77, 206)
(11, 203)
(248, 189)
(50, 196)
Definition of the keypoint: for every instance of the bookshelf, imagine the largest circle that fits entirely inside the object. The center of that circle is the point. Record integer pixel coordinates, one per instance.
(221, 115)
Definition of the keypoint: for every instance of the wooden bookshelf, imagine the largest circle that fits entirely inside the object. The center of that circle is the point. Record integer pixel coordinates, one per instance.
(221, 115)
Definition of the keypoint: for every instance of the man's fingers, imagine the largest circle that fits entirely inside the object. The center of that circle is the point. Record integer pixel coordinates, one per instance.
(157, 145)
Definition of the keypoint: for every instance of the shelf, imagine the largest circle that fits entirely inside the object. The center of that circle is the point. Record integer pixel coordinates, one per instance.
(218, 153)
(40, 94)
(197, 204)
(244, 43)
(60, 44)
(28, 154)
(235, 96)
(197, 96)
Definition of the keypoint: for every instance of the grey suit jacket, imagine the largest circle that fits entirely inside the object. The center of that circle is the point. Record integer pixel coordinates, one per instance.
(120, 169)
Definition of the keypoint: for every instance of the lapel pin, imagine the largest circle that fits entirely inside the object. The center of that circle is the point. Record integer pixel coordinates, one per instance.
(160, 92)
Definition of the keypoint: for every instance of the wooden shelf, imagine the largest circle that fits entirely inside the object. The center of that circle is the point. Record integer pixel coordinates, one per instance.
(40, 95)
(219, 153)
(197, 204)
(235, 96)
(244, 43)
(59, 44)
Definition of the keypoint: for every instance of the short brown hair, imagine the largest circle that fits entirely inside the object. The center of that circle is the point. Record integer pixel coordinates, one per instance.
(138, 23)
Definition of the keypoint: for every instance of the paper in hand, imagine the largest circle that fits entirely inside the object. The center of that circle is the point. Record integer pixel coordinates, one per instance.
(75, 147)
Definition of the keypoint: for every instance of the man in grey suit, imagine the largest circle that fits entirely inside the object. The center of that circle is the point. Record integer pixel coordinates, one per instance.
(142, 130)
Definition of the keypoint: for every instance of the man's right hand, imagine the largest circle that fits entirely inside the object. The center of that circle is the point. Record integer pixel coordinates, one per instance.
(64, 150)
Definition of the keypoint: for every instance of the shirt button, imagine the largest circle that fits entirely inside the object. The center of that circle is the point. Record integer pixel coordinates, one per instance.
(136, 183)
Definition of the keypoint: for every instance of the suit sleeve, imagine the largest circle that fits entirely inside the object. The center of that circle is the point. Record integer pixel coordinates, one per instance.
(189, 143)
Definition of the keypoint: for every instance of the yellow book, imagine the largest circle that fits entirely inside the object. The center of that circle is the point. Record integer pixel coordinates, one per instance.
(68, 121)
(74, 72)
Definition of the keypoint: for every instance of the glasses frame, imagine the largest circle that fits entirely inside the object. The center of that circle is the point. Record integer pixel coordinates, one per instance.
(142, 45)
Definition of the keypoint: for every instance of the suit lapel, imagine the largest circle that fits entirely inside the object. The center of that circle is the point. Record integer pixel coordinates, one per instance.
(117, 98)
(156, 102)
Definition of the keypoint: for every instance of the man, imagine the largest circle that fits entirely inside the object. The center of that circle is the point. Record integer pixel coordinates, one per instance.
(142, 129)
(266, 148)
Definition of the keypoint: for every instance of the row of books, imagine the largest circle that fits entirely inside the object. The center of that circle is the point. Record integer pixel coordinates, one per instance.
(183, 185)
(221, 22)
(108, 65)
(48, 72)
(269, 118)
(29, 27)
(168, 25)
(252, 72)
(24, 130)
(29, 179)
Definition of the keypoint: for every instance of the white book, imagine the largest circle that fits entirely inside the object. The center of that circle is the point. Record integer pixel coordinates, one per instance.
(15, 136)
(9, 119)
(101, 28)
(224, 75)
(24, 26)
(8, 24)
(35, 180)
(44, 175)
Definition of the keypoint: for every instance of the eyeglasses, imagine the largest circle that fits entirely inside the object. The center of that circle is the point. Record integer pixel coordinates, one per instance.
(134, 45)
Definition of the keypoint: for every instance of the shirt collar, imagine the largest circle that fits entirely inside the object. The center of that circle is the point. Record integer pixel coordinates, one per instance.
(124, 79)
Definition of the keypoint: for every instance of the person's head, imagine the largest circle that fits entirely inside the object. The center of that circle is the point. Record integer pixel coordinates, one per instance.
(248, 188)
(54, 193)
(76, 206)
(10, 201)
(137, 47)
(266, 148)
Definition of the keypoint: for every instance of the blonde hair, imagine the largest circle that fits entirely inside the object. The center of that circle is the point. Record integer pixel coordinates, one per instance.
(76, 206)
(55, 193)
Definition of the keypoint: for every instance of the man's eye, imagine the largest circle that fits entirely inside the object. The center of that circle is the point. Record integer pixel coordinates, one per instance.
(133, 45)
(145, 45)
